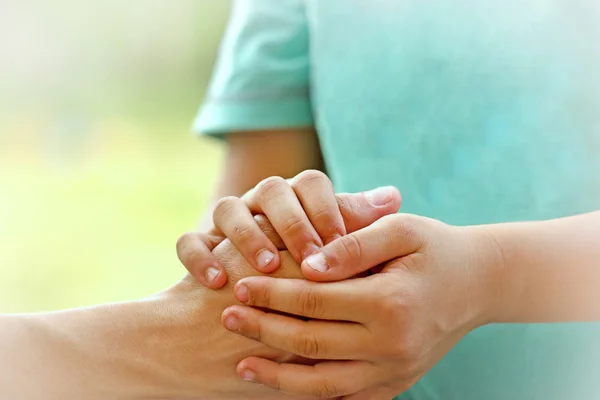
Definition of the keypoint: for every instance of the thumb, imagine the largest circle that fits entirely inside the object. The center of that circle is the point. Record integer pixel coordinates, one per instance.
(388, 238)
(360, 210)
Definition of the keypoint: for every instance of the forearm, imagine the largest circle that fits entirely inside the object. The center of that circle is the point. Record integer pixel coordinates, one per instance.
(550, 270)
(93, 353)
(168, 346)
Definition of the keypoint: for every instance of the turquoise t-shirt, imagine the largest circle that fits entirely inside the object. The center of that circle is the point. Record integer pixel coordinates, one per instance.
(478, 111)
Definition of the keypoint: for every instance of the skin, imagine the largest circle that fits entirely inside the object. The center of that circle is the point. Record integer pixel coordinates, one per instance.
(435, 283)
(170, 345)
(196, 357)
(304, 211)
(290, 151)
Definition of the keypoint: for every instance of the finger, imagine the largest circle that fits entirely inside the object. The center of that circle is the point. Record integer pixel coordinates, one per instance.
(315, 193)
(323, 380)
(341, 301)
(390, 237)
(311, 339)
(194, 250)
(265, 225)
(276, 199)
(360, 210)
(232, 217)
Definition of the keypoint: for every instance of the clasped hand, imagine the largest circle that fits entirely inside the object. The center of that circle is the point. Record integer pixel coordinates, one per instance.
(419, 286)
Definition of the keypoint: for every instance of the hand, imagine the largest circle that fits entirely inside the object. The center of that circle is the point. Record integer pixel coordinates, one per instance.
(378, 334)
(305, 213)
(205, 354)
(170, 345)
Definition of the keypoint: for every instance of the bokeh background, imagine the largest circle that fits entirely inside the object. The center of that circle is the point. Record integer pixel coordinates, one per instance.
(99, 170)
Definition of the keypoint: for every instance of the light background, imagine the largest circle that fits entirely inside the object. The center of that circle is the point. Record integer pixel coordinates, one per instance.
(99, 171)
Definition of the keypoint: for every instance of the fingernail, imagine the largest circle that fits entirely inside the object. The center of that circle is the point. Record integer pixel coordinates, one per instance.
(232, 324)
(317, 262)
(212, 273)
(310, 248)
(264, 257)
(380, 196)
(248, 375)
(241, 293)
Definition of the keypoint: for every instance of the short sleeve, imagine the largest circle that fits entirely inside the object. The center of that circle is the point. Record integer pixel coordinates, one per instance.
(261, 78)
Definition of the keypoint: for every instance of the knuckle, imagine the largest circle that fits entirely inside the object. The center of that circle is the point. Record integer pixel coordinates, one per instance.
(306, 344)
(192, 259)
(293, 225)
(242, 233)
(270, 187)
(391, 304)
(404, 347)
(389, 221)
(262, 297)
(327, 223)
(277, 383)
(398, 307)
(350, 203)
(346, 208)
(256, 333)
(323, 215)
(183, 241)
(326, 220)
(189, 252)
(310, 303)
(308, 177)
(351, 248)
(404, 225)
(224, 206)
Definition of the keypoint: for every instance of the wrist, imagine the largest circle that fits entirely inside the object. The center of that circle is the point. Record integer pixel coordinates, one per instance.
(489, 265)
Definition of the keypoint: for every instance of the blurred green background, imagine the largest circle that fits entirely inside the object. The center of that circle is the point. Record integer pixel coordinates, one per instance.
(99, 171)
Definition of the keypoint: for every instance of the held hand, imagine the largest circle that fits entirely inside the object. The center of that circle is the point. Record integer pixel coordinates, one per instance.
(196, 356)
(305, 213)
(378, 334)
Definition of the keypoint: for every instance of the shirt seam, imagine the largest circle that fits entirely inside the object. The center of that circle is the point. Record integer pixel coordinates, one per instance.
(290, 93)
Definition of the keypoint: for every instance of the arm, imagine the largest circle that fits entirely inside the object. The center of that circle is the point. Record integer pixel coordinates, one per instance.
(170, 345)
(551, 269)
(542, 271)
(437, 283)
(91, 353)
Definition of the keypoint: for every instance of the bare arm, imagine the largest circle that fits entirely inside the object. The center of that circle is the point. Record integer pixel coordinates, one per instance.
(91, 353)
(170, 345)
(551, 269)
(438, 282)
